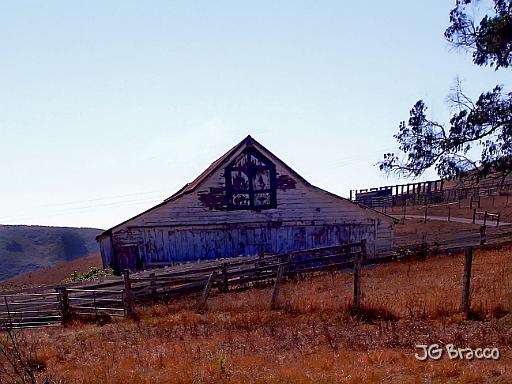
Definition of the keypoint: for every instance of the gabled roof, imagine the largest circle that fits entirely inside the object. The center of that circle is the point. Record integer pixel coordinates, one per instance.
(247, 142)
(217, 164)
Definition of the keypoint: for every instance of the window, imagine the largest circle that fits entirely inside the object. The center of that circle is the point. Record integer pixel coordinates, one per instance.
(251, 182)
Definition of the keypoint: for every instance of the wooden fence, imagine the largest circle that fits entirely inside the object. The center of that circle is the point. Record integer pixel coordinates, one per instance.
(118, 296)
(422, 193)
(226, 274)
(485, 216)
(449, 241)
(24, 310)
(30, 309)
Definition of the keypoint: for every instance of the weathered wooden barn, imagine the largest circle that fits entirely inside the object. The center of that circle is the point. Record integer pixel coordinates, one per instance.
(247, 202)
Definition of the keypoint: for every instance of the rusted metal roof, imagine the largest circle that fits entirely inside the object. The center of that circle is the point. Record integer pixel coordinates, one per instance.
(189, 187)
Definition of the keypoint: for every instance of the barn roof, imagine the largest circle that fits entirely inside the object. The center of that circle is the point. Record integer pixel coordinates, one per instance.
(248, 141)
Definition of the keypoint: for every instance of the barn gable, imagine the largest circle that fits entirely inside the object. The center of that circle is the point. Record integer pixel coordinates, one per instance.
(247, 201)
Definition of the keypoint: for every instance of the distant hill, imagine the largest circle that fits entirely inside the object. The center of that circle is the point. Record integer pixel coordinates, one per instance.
(26, 248)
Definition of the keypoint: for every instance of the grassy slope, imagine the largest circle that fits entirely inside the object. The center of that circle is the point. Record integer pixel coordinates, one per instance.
(57, 273)
(27, 248)
(312, 338)
(502, 204)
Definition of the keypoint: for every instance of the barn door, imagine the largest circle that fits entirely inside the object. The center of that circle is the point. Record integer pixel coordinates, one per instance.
(129, 258)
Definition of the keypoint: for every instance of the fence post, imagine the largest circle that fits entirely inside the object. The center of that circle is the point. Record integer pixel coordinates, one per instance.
(64, 304)
(8, 311)
(128, 294)
(471, 202)
(478, 204)
(94, 303)
(466, 282)
(405, 204)
(277, 284)
(426, 213)
(449, 213)
(474, 215)
(357, 275)
(498, 219)
(485, 217)
(483, 237)
(225, 280)
(493, 201)
(152, 284)
(206, 291)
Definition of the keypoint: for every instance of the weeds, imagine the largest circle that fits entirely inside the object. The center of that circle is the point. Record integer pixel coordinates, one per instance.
(18, 361)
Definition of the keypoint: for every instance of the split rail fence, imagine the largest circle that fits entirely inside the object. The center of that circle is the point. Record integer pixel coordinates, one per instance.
(118, 296)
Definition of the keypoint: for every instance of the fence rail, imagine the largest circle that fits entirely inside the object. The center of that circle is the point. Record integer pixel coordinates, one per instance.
(116, 297)
(446, 241)
(30, 310)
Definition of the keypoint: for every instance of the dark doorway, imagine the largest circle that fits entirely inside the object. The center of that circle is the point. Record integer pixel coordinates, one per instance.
(129, 258)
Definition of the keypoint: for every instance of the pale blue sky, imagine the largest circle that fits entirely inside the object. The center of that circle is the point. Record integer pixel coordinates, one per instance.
(106, 108)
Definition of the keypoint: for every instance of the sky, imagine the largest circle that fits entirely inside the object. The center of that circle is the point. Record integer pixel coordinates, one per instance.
(107, 108)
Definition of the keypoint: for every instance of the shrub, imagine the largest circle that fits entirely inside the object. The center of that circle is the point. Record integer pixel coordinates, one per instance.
(92, 274)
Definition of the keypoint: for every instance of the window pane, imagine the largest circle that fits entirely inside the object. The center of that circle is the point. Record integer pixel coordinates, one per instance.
(240, 200)
(239, 181)
(261, 199)
(258, 163)
(261, 180)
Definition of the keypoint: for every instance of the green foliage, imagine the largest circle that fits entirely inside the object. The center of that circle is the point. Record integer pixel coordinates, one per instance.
(490, 40)
(92, 274)
(485, 125)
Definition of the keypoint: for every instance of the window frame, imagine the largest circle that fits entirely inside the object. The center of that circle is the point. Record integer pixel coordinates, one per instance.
(272, 191)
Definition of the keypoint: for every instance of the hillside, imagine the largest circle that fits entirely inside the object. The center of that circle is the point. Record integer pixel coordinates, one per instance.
(55, 274)
(27, 248)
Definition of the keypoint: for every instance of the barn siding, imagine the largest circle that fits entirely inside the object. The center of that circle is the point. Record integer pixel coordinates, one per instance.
(106, 249)
(198, 225)
(178, 244)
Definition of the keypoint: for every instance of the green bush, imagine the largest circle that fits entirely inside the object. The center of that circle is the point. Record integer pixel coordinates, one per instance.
(92, 274)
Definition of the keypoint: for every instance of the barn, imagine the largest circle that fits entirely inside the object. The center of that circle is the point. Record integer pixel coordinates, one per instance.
(247, 202)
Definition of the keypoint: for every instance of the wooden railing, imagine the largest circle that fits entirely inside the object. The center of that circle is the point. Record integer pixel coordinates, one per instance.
(30, 310)
(118, 296)
(449, 241)
(234, 273)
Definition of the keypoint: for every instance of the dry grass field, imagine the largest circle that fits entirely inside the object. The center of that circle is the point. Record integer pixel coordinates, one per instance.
(314, 337)
(430, 228)
(55, 274)
(496, 204)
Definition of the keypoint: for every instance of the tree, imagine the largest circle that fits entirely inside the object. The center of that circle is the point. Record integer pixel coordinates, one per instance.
(484, 125)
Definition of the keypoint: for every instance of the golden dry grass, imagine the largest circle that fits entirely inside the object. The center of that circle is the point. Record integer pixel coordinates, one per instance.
(430, 228)
(312, 338)
(55, 274)
(492, 204)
